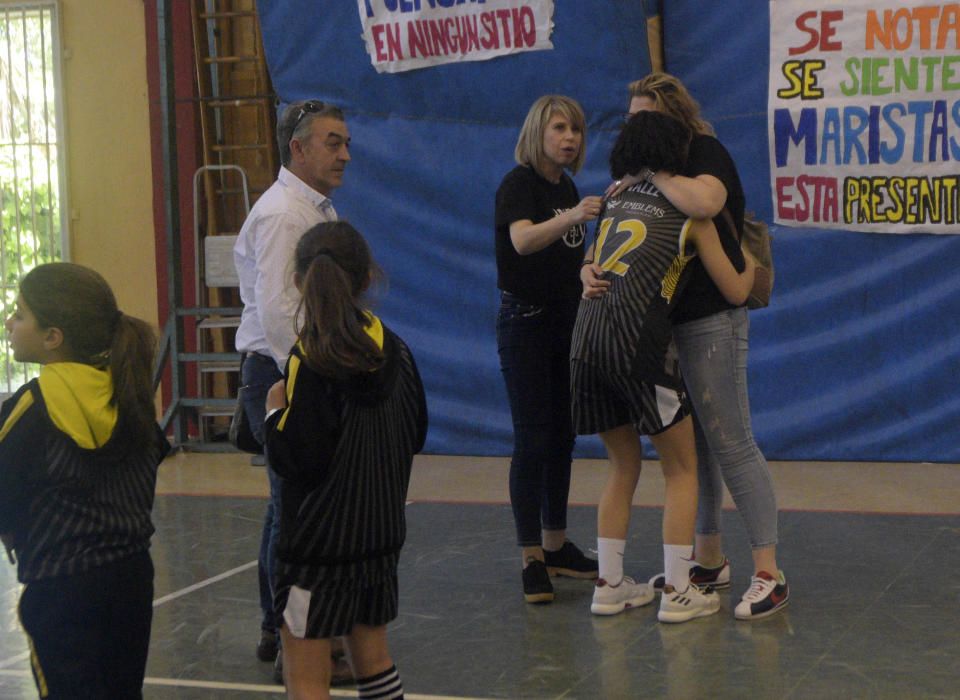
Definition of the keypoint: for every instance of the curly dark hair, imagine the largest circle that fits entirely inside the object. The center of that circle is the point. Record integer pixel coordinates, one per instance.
(653, 140)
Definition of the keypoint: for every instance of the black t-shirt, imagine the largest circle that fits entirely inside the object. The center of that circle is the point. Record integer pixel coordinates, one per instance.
(702, 298)
(551, 274)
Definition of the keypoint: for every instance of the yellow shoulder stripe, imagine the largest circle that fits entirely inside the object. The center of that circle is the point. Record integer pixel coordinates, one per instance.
(292, 368)
(25, 402)
(374, 329)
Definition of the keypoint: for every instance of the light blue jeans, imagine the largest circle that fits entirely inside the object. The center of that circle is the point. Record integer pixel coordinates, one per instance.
(713, 360)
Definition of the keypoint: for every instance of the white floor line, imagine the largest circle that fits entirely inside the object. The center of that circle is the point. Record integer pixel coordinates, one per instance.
(213, 579)
(279, 690)
(251, 687)
(217, 685)
(214, 685)
(159, 601)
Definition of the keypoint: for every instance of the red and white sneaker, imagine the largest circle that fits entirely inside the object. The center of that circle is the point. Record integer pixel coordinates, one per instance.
(610, 600)
(765, 596)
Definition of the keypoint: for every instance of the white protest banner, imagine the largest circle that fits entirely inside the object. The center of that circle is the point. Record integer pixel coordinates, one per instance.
(864, 115)
(402, 35)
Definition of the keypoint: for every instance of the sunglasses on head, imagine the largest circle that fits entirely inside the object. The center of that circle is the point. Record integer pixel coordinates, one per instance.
(308, 107)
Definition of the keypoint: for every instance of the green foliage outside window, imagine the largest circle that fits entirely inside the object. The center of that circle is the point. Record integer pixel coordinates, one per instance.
(30, 221)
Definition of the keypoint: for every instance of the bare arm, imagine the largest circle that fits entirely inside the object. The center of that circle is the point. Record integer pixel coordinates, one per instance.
(734, 286)
(277, 396)
(528, 237)
(591, 276)
(700, 197)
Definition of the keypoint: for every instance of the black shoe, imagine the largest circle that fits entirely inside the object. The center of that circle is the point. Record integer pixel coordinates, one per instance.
(570, 561)
(267, 647)
(536, 583)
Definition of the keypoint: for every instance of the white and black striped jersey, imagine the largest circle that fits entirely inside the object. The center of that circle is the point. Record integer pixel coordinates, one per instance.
(345, 450)
(641, 245)
(73, 495)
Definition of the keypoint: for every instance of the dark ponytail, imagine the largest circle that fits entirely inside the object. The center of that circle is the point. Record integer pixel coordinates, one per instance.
(79, 302)
(334, 268)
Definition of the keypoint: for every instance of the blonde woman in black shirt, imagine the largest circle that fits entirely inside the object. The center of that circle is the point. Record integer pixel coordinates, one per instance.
(79, 449)
(540, 227)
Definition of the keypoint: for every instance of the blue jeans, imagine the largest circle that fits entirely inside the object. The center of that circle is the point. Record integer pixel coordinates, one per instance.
(534, 346)
(713, 360)
(258, 374)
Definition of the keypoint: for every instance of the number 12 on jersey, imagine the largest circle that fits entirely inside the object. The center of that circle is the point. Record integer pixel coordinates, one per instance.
(636, 233)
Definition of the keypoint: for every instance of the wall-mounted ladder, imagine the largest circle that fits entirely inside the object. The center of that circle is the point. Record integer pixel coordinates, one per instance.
(240, 161)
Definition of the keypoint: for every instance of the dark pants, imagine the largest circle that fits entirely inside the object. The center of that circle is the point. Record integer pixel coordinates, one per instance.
(534, 346)
(258, 374)
(89, 633)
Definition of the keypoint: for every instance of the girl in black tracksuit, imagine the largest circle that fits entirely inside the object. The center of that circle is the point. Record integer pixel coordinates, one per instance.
(342, 429)
(79, 450)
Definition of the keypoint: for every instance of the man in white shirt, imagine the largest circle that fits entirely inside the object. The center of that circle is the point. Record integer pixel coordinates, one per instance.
(314, 149)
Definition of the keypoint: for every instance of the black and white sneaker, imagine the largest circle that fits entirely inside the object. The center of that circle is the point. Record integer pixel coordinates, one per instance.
(717, 578)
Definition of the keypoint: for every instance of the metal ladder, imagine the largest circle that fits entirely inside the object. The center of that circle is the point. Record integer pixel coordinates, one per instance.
(241, 160)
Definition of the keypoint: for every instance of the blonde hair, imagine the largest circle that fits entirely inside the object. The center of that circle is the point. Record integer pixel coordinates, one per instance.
(529, 150)
(671, 97)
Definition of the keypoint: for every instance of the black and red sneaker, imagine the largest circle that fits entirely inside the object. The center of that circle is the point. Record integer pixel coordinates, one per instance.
(767, 594)
(717, 578)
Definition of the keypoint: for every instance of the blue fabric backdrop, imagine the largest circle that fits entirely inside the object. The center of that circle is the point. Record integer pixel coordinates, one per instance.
(856, 358)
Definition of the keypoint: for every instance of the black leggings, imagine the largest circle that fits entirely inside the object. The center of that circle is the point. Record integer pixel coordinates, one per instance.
(89, 633)
(534, 346)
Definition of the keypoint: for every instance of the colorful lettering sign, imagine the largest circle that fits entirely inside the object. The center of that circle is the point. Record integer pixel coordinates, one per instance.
(864, 115)
(402, 35)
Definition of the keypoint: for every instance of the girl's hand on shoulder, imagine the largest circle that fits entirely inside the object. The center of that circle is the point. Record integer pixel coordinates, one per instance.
(9, 545)
(594, 286)
(587, 210)
(277, 396)
(619, 186)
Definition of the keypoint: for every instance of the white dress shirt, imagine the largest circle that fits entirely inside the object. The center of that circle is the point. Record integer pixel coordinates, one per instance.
(263, 255)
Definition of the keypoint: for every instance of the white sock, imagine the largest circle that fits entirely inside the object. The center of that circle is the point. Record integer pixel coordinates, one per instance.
(677, 560)
(610, 556)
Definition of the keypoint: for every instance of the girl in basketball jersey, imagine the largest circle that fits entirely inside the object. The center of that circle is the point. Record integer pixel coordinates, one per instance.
(712, 338)
(624, 374)
(79, 449)
(341, 429)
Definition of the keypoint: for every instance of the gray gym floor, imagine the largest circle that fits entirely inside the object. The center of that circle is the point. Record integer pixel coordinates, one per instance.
(874, 611)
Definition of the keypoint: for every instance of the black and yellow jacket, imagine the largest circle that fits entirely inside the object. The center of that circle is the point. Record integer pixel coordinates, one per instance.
(73, 494)
(344, 450)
